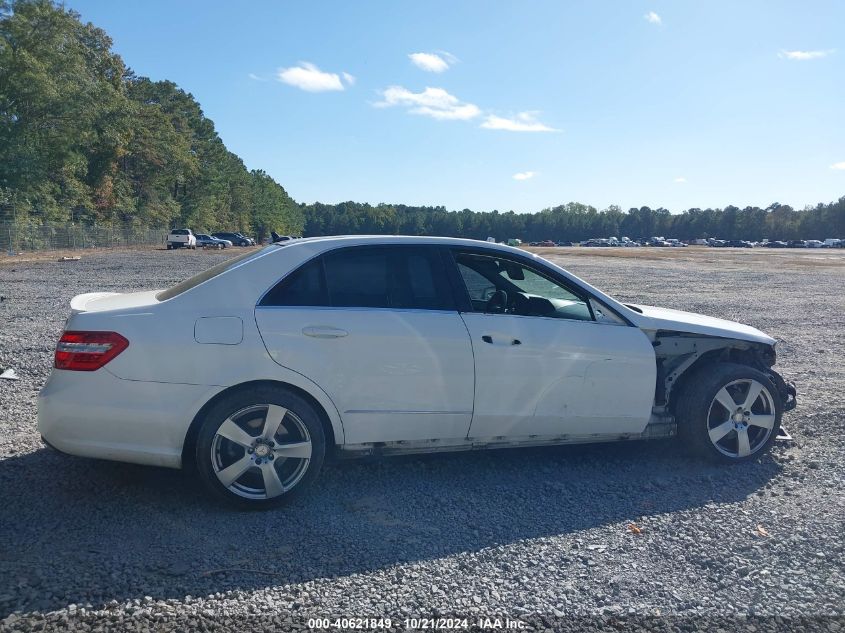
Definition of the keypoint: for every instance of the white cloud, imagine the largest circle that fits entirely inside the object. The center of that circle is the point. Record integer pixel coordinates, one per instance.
(803, 56)
(680, 179)
(308, 77)
(432, 102)
(349, 79)
(840, 166)
(653, 18)
(432, 62)
(524, 175)
(255, 77)
(522, 122)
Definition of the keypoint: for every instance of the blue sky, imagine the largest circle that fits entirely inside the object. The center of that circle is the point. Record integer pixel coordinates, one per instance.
(675, 104)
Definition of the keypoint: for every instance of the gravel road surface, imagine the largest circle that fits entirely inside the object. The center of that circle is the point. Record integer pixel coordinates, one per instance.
(539, 536)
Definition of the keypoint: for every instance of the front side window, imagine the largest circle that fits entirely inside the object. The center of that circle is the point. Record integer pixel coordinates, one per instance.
(395, 277)
(503, 286)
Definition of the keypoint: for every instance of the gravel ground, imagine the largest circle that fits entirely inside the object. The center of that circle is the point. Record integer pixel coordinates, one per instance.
(539, 536)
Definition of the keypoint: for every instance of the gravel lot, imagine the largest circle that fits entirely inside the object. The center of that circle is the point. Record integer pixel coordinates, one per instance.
(538, 535)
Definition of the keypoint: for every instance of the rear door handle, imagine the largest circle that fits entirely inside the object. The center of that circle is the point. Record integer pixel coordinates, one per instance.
(321, 331)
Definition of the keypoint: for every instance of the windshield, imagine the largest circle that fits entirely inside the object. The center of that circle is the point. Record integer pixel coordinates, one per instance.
(196, 280)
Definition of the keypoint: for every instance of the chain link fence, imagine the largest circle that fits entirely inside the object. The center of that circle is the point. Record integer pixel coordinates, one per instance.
(19, 237)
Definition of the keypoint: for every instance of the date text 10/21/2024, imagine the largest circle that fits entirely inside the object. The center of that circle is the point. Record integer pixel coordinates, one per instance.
(422, 624)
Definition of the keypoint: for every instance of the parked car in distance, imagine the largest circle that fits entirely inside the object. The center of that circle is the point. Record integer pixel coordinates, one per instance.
(740, 244)
(547, 243)
(813, 243)
(796, 244)
(236, 239)
(211, 242)
(178, 238)
(506, 349)
(832, 242)
(774, 244)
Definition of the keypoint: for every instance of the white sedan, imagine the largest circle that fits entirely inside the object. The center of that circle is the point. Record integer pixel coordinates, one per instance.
(380, 345)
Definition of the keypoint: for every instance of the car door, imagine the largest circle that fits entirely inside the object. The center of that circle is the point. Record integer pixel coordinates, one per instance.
(377, 329)
(544, 364)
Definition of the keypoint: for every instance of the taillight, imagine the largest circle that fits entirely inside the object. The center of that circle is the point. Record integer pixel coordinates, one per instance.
(88, 351)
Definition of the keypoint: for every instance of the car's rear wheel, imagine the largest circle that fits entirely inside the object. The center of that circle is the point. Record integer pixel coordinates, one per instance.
(729, 412)
(260, 447)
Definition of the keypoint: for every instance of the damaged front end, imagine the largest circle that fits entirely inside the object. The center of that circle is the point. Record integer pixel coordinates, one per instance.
(787, 390)
(679, 352)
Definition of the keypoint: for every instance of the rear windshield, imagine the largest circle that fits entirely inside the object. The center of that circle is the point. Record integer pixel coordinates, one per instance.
(212, 272)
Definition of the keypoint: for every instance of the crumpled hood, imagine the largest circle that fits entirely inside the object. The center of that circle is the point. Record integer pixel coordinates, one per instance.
(653, 318)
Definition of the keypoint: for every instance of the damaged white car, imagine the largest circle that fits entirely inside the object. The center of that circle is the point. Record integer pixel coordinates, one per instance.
(378, 345)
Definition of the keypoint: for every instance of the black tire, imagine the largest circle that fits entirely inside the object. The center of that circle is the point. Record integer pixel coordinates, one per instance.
(169, 247)
(248, 408)
(699, 414)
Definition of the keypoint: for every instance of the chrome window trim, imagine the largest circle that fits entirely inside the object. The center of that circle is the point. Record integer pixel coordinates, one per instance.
(356, 309)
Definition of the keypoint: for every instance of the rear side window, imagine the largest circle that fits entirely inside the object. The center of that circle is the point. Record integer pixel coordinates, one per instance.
(368, 277)
(304, 287)
(358, 278)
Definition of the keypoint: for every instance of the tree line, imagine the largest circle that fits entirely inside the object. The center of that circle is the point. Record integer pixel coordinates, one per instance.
(576, 222)
(84, 139)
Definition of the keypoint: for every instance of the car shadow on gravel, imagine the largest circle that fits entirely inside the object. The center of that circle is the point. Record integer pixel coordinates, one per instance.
(82, 531)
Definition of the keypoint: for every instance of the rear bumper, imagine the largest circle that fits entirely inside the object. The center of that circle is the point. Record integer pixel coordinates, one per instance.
(95, 414)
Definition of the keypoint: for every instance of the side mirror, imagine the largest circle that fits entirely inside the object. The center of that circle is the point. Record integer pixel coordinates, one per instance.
(513, 271)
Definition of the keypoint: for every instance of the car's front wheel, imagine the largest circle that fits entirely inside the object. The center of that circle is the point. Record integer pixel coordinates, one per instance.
(260, 447)
(729, 412)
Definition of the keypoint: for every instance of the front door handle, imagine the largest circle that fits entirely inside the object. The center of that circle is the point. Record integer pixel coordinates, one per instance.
(321, 331)
(489, 339)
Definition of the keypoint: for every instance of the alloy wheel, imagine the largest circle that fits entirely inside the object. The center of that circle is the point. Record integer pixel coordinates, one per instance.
(261, 452)
(741, 418)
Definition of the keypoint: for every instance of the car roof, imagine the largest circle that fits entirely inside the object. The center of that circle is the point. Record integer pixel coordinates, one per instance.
(332, 241)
